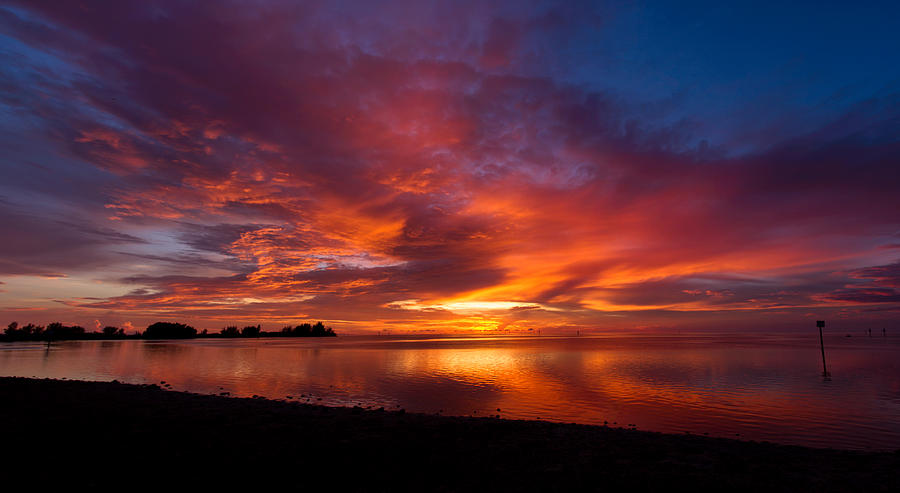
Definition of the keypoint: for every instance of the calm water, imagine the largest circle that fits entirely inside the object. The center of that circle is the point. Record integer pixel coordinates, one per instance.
(764, 387)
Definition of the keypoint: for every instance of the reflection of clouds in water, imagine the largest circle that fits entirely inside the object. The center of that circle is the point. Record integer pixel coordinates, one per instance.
(767, 391)
(436, 392)
(163, 348)
(21, 346)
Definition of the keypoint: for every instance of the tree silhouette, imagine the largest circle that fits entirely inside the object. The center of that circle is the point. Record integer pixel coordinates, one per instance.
(170, 330)
(230, 331)
(251, 331)
(110, 331)
(57, 330)
(308, 330)
(158, 330)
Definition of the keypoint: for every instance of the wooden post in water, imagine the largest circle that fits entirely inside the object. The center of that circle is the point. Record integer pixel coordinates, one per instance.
(821, 325)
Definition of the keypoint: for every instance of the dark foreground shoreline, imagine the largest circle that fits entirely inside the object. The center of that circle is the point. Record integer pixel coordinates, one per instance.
(61, 433)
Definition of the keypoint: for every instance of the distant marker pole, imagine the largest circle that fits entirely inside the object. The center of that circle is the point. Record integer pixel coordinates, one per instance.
(821, 325)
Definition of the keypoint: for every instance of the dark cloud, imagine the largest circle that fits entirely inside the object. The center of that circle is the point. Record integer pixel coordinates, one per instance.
(883, 275)
(865, 295)
(213, 238)
(37, 245)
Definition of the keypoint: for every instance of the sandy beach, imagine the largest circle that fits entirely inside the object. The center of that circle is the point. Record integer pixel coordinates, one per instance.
(109, 435)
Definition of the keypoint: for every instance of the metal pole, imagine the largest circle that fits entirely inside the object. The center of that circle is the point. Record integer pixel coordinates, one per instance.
(821, 325)
(822, 346)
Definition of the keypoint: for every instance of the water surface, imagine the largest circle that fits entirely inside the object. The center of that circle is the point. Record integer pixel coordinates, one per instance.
(759, 387)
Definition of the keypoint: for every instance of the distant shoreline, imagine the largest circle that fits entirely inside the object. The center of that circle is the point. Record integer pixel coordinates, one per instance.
(124, 431)
(57, 331)
(91, 336)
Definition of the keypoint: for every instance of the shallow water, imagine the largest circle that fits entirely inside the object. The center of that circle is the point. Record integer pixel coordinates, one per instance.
(754, 387)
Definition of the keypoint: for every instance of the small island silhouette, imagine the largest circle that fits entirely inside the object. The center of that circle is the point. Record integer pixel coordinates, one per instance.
(57, 331)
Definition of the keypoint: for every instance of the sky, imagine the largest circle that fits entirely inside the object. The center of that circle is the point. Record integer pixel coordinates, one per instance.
(450, 166)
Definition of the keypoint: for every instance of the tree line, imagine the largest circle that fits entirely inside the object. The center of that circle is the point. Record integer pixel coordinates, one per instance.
(303, 330)
(56, 331)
